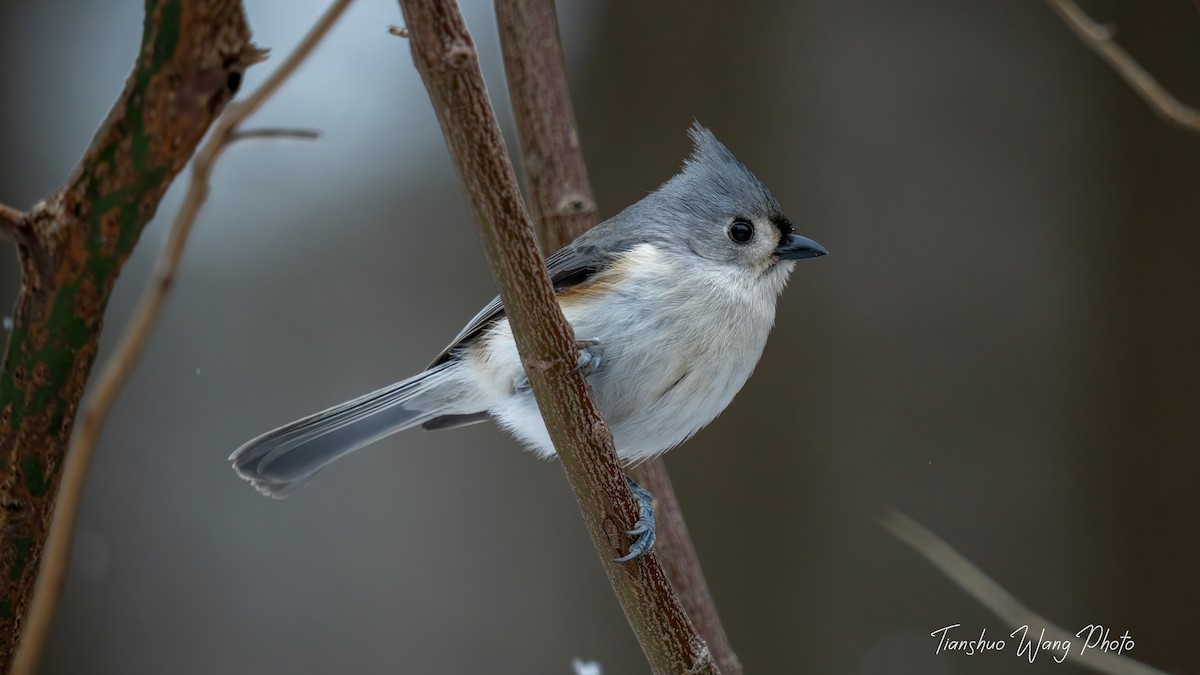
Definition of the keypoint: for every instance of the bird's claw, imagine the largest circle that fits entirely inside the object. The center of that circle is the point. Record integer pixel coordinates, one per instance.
(643, 530)
(589, 361)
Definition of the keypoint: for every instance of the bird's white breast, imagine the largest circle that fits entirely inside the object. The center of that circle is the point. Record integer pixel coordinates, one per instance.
(677, 342)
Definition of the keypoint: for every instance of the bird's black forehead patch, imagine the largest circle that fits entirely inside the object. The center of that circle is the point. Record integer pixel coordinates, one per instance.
(784, 226)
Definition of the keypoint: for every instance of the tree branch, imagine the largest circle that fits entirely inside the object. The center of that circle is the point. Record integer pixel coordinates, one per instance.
(445, 55)
(999, 601)
(191, 62)
(678, 555)
(116, 371)
(563, 207)
(560, 195)
(1099, 39)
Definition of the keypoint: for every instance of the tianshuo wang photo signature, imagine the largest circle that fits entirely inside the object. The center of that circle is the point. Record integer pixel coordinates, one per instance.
(1024, 642)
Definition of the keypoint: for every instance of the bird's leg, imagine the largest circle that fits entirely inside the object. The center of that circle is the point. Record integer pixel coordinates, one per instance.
(588, 363)
(643, 530)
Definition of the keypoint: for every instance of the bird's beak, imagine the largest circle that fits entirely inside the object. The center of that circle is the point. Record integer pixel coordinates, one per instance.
(795, 247)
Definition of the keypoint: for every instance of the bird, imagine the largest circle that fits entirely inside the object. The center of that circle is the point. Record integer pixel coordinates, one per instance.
(671, 301)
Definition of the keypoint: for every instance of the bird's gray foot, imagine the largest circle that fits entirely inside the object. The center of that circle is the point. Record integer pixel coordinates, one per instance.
(589, 360)
(643, 530)
(588, 363)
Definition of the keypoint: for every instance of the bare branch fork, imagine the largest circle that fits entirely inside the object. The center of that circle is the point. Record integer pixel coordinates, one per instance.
(1099, 38)
(563, 207)
(119, 366)
(445, 55)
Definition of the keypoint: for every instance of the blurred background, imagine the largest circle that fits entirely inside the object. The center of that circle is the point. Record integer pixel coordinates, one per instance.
(1003, 344)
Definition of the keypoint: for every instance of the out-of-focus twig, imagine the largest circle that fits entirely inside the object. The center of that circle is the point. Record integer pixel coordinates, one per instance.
(445, 55)
(1000, 602)
(560, 194)
(1099, 38)
(261, 134)
(129, 349)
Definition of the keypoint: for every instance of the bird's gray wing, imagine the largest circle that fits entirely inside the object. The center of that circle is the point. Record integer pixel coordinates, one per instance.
(572, 266)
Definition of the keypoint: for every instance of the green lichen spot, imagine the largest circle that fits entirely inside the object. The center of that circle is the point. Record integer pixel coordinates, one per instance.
(58, 354)
(35, 480)
(168, 32)
(16, 358)
(165, 42)
(22, 546)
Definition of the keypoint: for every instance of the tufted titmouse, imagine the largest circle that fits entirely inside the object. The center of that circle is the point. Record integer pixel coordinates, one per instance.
(673, 299)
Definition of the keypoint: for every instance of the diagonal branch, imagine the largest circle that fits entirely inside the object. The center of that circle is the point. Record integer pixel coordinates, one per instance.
(999, 601)
(563, 207)
(445, 55)
(1099, 39)
(116, 371)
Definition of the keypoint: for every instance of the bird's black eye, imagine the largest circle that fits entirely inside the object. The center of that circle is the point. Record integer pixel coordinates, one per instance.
(741, 231)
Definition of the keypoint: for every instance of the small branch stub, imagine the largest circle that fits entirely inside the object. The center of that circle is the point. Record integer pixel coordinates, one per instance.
(14, 225)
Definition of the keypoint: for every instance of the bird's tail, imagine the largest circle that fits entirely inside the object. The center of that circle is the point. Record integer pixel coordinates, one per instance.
(281, 461)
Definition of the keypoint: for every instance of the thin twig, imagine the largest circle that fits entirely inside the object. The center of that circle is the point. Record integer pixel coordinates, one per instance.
(1099, 38)
(298, 134)
(445, 56)
(128, 350)
(1000, 602)
(563, 207)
